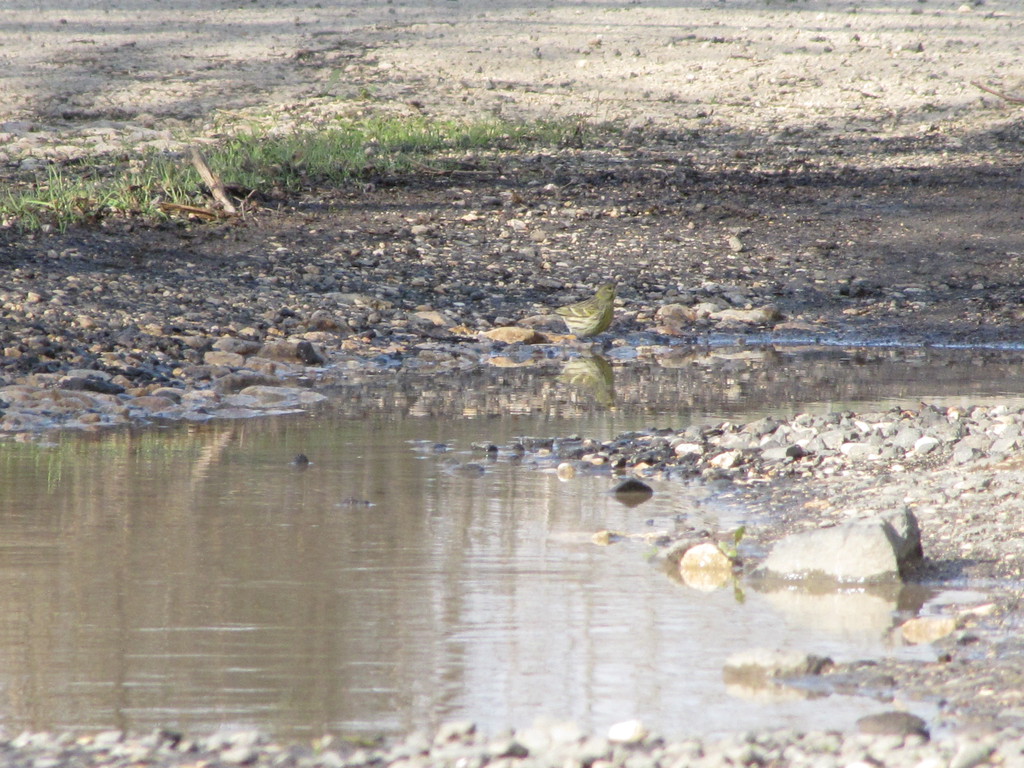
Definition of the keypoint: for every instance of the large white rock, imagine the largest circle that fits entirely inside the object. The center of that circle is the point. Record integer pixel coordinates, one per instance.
(874, 549)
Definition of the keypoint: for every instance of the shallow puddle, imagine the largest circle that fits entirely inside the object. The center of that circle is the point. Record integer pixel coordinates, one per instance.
(193, 576)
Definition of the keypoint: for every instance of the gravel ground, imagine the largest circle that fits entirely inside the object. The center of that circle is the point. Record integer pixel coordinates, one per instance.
(814, 171)
(457, 744)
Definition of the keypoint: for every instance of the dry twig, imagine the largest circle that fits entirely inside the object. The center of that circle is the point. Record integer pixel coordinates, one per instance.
(215, 184)
(191, 210)
(1004, 96)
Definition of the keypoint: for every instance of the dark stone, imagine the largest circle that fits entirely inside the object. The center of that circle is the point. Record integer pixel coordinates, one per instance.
(92, 384)
(632, 492)
(309, 354)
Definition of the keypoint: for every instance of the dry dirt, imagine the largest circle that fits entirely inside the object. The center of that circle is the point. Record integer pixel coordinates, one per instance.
(878, 68)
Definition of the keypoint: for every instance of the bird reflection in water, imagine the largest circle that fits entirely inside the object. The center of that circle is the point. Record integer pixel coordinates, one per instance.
(591, 374)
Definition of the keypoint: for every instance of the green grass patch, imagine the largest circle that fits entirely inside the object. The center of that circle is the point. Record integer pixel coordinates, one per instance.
(259, 159)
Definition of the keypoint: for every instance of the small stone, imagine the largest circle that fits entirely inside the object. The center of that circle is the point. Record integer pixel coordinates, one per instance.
(309, 354)
(972, 753)
(229, 359)
(566, 471)
(964, 453)
(727, 460)
(92, 384)
(511, 334)
(240, 755)
(238, 346)
(604, 537)
(907, 438)
(893, 723)
(674, 319)
(152, 403)
(329, 758)
(433, 317)
(782, 453)
(627, 732)
(285, 351)
(234, 382)
(927, 629)
(705, 567)
(858, 451)
(322, 320)
(758, 316)
(107, 738)
(171, 393)
(687, 449)
(705, 557)
(507, 748)
(455, 730)
(632, 492)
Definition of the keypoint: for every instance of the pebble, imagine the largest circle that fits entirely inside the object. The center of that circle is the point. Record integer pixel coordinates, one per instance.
(632, 491)
(927, 629)
(893, 723)
(705, 557)
(627, 732)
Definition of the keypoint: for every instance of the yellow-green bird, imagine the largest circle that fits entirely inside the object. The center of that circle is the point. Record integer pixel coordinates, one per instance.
(592, 316)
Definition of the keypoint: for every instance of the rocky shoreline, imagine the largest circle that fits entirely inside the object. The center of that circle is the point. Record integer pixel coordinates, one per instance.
(456, 744)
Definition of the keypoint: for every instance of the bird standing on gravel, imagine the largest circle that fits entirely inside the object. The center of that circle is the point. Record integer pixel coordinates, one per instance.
(592, 316)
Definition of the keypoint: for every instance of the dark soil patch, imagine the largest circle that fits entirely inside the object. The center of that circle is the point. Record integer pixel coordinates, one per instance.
(902, 240)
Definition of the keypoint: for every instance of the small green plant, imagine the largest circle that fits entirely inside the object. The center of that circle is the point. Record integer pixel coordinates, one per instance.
(258, 158)
(731, 548)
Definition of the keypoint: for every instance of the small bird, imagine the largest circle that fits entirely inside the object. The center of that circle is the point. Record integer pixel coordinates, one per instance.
(592, 316)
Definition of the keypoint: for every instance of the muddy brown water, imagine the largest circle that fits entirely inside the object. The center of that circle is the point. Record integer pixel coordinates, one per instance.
(193, 577)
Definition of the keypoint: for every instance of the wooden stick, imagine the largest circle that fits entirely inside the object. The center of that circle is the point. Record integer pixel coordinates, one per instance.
(994, 92)
(216, 185)
(191, 210)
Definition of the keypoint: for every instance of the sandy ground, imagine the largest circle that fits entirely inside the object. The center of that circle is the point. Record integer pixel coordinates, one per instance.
(773, 69)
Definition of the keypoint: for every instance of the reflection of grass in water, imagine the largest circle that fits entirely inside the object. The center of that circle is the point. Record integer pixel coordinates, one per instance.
(72, 454)
(48, 461)
(165, 454)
